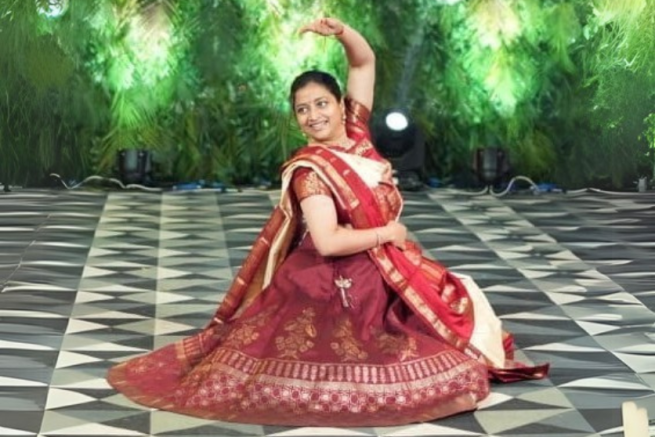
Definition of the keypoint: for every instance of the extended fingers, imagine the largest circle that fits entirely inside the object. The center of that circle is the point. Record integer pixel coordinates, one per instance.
(323, 26)
(312, 26)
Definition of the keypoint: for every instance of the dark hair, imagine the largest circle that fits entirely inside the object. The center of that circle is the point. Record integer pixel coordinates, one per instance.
(314, 76)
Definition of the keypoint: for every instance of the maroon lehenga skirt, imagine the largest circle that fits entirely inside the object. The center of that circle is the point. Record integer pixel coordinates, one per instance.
(305, 354)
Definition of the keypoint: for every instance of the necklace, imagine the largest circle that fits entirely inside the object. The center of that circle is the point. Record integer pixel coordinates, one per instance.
(343, 143)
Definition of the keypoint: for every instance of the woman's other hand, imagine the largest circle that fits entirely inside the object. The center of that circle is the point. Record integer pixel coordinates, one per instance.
(396, 234)
(324, 26)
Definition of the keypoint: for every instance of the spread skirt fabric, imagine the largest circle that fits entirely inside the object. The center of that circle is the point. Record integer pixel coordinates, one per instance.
(327, 343)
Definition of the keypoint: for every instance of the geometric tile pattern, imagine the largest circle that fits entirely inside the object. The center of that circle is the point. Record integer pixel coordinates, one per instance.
(91, 278)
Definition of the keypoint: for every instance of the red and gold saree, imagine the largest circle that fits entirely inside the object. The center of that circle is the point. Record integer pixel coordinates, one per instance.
(383, 337)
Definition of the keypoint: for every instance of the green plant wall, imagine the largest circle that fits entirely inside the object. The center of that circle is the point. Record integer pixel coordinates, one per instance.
(566, 86)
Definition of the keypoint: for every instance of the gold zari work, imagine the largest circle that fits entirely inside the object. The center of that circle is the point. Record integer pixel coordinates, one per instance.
(308, 183)
(399, 345)
(247, 331)
(301, 332)
(346, 346)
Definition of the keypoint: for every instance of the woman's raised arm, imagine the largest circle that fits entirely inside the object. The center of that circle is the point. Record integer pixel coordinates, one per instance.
(361, 59)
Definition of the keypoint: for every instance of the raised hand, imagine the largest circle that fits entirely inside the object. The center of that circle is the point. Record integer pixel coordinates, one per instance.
(324, 26)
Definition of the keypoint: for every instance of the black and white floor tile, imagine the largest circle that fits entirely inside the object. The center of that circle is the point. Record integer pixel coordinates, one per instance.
(90, 278)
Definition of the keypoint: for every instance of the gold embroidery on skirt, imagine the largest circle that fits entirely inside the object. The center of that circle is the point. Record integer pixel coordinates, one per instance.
(247, 331)
(301, 331)
(401, 346)
(348, 348)
(336, 387)
(145, 365)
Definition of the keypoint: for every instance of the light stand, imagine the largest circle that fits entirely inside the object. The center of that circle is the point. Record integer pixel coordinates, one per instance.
(491, 165)
(134, 166)
(403, 144)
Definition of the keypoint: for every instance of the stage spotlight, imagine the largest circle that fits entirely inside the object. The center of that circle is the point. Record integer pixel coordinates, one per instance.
(400, 140)
(134, 166)
(491, 165)
(396, 121)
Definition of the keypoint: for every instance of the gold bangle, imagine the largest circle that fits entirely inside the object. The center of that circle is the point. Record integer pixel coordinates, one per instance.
(377, 238)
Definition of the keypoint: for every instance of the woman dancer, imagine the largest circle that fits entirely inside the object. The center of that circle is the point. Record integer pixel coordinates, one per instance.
(335, 318)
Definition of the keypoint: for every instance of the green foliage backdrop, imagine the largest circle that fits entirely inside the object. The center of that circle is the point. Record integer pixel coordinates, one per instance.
(567, 86)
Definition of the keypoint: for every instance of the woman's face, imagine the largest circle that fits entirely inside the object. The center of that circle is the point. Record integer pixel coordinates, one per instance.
(319, 114)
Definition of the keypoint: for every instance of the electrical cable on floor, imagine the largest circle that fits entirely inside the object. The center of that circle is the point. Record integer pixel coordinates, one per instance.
(186, 187)
(489, 188)
(596, 190)
(533, 186)
(104, 179)
(537, 190)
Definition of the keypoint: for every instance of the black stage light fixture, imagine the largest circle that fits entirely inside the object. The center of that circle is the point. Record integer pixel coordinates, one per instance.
(134, 166)
(491, 165)
(400, 140)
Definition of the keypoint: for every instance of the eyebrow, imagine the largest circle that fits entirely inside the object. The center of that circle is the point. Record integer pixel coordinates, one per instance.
(314, 101)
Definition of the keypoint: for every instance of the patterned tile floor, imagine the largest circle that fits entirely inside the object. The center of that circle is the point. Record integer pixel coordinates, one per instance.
(89, 278)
